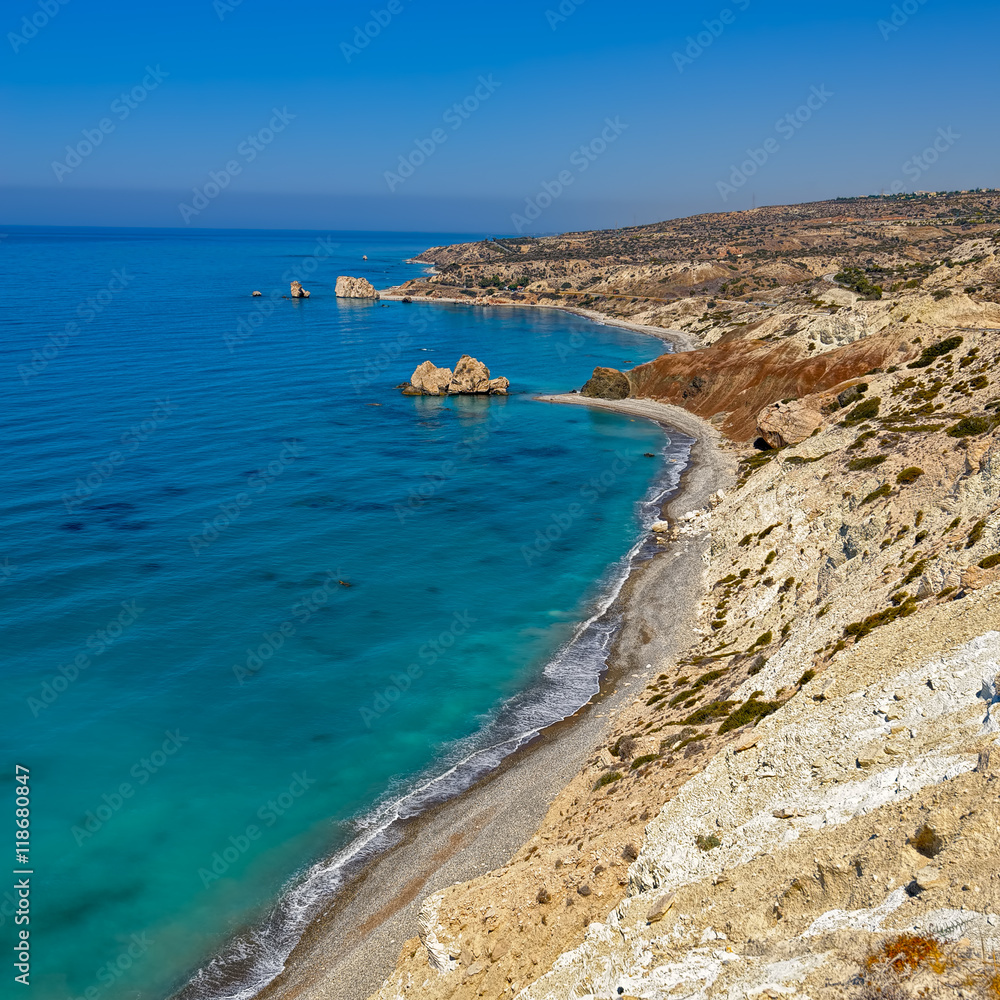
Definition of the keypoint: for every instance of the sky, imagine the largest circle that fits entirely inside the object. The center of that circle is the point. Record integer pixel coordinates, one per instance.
(529, 116)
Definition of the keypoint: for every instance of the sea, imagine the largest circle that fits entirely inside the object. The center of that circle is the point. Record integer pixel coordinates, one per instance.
(256, 604)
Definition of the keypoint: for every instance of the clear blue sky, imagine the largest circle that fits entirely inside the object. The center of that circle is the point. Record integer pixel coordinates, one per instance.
(559, 72)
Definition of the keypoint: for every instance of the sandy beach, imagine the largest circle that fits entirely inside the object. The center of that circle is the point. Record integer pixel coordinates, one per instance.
(347, 953)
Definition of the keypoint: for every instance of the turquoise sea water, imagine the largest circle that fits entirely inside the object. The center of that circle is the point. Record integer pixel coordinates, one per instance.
(255, 602)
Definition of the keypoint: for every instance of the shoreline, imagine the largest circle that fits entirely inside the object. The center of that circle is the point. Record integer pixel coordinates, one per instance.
(678, 339)
(347, 952)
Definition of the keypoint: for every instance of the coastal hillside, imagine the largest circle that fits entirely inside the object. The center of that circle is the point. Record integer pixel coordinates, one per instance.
(803, 800)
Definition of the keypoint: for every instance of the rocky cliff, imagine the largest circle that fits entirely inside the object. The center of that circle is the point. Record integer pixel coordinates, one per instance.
(805, 801)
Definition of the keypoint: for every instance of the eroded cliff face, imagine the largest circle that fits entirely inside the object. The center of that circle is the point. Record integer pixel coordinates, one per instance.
(818, 772)
(734, 379)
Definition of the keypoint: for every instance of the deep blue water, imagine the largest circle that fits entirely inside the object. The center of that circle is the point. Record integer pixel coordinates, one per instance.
(255, 602)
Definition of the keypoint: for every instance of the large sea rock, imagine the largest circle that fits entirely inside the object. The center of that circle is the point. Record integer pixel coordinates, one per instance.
(355, 288)
(297, 291)
(430, 379)
(607, 383)
(469, 377)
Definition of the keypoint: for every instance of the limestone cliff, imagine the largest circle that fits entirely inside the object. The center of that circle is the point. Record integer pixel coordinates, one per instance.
(818, 775)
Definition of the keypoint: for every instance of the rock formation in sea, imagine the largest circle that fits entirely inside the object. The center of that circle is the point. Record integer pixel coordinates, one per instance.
(355, 288)
(298, 292)
(469, 377)
(607, 383)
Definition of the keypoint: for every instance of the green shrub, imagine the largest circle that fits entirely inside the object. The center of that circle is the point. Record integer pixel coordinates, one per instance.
(867, 410)
(860, 464)
(606, 779)
(883, 491)
(857, 281)
(751, 710)
(976, 534)
(970, 426)
(930, 354)
(806, 677)
(764, 639)
(709, 713)
(708, 843)
(860, 629)
(909, 475)
(990, 561)
(916, 571)
(645, 759)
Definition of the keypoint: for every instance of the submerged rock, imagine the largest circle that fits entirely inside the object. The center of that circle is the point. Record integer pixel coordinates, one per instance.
(298, 292)
(470, 377)
(607, 383)
(355, 288)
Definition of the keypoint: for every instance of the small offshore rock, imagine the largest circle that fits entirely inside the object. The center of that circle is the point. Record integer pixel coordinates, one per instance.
(255, 293)
(297, 291)
(355, 288)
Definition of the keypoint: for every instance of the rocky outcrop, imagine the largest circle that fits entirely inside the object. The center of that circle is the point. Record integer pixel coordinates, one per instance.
(298, 292)
(470, 377)
(431, 380)
(607, 383)
(355, 288)
(782, 424)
